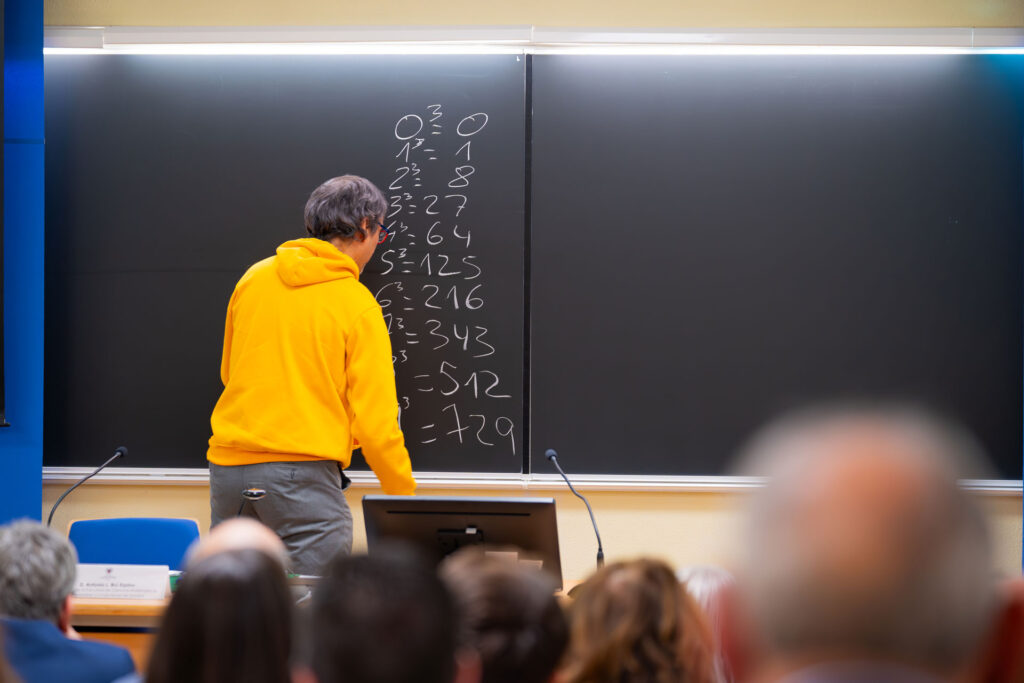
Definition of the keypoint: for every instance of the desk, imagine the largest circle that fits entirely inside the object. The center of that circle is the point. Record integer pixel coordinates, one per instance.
(128, 623)
(107, 620)
(110, 612)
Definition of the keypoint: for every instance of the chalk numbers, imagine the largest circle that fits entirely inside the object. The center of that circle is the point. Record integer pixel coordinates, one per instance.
(433, 288)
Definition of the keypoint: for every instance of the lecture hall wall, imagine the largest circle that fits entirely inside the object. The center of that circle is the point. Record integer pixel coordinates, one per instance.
(688, 527)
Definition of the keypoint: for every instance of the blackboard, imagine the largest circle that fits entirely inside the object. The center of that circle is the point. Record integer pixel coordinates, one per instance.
(167, 176)
(719, 238)
(706, 241)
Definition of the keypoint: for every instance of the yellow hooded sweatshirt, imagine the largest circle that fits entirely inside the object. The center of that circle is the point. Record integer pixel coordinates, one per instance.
(307, 368)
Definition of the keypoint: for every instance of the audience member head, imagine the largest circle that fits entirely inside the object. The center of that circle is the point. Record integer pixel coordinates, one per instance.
(37, 573)
(347, 207)
(861, 547)
(239, 533)
(508, 615)
(382, 618)
(633, 621)
(709, 587)
(229, 620)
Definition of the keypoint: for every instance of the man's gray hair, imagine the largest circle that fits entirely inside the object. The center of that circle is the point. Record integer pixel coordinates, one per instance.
(37, 571)
(922, 594)
(338, 207)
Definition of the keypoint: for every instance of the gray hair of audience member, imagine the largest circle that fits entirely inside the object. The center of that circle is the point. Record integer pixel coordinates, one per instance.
(706, 584)
(337, 208)
(37, 571)
(861, 541)
(508, 614)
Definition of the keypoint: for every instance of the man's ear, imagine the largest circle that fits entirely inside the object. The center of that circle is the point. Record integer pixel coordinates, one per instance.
(64, 618)
(366, 226)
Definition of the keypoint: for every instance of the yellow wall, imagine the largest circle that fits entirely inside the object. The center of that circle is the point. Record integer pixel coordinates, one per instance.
(684, 528)
(563, 13)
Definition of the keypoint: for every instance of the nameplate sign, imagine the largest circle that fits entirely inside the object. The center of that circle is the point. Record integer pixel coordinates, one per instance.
(124, 581)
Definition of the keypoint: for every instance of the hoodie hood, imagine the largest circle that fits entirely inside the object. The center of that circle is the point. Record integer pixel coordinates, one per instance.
(308, 261)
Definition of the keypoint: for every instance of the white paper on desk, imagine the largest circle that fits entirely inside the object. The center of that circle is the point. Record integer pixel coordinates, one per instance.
(126, 581)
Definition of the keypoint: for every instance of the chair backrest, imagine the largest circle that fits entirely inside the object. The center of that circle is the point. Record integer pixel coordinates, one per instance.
(133, 540)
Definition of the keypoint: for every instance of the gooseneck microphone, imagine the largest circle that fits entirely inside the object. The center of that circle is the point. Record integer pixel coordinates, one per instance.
(551, 455)
(119, 453)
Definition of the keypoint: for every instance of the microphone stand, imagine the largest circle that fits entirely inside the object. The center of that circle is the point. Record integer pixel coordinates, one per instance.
(121, 451)
(551, 455)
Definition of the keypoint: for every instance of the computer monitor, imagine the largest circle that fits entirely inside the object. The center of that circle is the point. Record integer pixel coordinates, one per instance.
(524, 528)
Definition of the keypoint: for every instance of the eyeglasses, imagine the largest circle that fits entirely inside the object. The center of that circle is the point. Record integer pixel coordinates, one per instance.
(384, 233)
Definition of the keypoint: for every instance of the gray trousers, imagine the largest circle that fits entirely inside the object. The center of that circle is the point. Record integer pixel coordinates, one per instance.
(304, 505)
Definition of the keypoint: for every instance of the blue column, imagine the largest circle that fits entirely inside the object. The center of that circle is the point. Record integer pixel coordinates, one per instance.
(21, 444)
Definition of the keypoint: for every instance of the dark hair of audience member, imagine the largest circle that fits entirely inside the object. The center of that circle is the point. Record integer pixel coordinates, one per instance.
(382, 618)
(633, 622)
(508, 615)
(229, 620)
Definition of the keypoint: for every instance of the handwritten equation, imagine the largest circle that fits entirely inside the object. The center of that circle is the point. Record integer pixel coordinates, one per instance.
(432, 286)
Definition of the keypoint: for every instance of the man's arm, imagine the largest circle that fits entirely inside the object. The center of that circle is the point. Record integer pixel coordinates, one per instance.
(229, 330)
(374, 403)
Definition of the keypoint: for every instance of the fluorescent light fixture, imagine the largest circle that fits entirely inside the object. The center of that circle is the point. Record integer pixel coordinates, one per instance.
(204, 40)
(289, 49)
(525, 39)
(428, 49)
(767, 50)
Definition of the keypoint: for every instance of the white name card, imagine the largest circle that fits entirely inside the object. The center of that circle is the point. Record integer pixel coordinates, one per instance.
(126, 581)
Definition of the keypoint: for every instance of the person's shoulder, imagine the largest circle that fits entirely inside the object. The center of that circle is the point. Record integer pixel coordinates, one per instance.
(105, 658)
(358, 298)
(102, 650)
(258, 268)
(367, 296)
(36, 630)
(260, 272)
(38, 651)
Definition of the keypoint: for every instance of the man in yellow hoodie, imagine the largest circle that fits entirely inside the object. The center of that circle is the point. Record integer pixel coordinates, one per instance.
(307, 376)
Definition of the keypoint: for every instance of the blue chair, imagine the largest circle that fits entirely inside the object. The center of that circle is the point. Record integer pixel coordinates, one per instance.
(133, 540)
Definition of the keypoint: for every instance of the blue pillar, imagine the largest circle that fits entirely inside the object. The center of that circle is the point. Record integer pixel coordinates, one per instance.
(21, 444)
